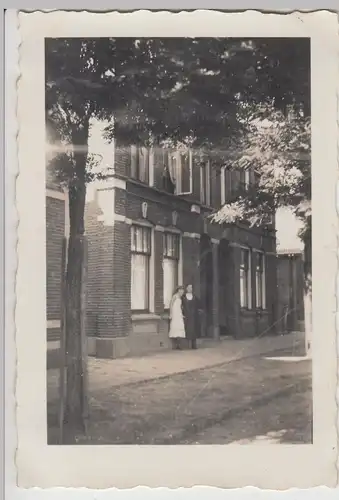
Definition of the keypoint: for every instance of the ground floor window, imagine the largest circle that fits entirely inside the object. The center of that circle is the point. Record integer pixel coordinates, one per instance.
(245, 279)
(141, 250)
(171, 258)
(260, 285)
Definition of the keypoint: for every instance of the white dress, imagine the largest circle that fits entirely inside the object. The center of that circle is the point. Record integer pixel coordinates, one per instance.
(177, 326)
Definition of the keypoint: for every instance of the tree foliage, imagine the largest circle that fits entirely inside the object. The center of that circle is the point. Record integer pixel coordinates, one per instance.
(277, 147)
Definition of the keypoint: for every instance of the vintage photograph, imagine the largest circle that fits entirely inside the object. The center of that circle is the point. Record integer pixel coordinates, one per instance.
(175, 236)
(178, 240)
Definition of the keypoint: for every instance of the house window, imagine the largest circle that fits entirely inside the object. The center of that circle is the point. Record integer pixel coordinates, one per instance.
(260, 285)
(141, 250)
(245, 279)
(140, 164)
(171, 257)
(205, 183)
(180, 171)
(245, 179)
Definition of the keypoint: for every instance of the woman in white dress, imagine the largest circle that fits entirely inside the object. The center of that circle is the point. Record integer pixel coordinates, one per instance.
(177, 324)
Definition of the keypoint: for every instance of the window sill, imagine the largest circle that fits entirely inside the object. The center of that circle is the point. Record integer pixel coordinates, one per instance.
(254, 310)
(146, 316)
(138, 182)
(261, 311)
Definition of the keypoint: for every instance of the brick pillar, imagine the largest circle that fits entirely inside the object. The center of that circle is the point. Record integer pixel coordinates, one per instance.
(121, 289)
(191, 261)
(215, 300)
(109, 274)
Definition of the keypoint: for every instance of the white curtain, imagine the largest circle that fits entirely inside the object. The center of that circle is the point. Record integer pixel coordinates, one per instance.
(260, 282)
(173, 167)
(170, 273)
(143, 164)
(139, 277)
(243, 291)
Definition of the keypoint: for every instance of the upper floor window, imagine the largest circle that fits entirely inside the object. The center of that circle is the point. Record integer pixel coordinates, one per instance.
(205, 183)
(141, 164)
(245, 179)
(260, 280)
(245, 279)
(180, 171)
(225, 184)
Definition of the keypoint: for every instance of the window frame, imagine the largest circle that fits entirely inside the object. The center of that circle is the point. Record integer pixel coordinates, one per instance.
(148, 254)
(247, 268)
(177, 155)
(245, 179)
(260, 281)
(224, 198)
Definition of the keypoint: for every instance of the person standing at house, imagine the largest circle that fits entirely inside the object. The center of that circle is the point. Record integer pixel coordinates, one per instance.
(191, 309)
(176, 317)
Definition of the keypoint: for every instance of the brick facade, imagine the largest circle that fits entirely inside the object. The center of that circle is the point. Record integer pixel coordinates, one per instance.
(55, 232)
(210, 260)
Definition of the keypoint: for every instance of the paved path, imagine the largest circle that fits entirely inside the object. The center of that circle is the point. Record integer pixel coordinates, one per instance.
(105, 373)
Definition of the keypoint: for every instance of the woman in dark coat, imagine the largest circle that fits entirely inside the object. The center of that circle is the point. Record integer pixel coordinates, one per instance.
(191, 310)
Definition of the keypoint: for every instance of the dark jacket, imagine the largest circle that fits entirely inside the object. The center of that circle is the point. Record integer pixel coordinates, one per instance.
(191, 311)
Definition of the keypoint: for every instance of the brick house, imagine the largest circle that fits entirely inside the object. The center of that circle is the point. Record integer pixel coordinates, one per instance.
(56, 229)
(147, 233)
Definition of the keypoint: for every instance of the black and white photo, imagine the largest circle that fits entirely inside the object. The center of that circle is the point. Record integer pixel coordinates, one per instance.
(179, 177)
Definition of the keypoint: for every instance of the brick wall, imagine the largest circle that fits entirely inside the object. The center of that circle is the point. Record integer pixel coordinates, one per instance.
(55, 230)
(122, 160)
(96, 268)
(121, 302)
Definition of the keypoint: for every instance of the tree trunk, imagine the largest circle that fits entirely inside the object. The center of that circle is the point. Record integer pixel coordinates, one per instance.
(308, 296)
(76, 356)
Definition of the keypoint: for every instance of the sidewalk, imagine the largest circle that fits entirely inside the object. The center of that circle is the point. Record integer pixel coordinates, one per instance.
(105, 373)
